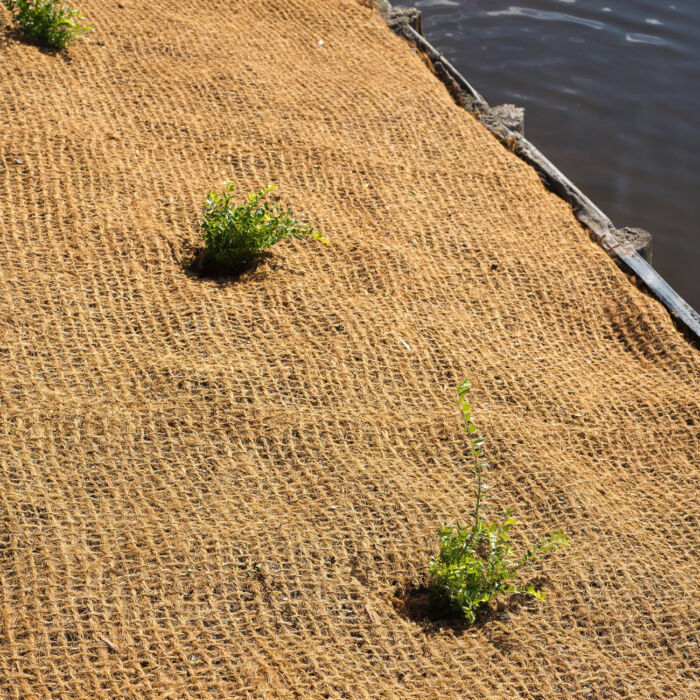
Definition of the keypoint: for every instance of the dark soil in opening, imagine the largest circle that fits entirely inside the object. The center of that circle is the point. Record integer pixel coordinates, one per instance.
(199, 264)
(418, 605)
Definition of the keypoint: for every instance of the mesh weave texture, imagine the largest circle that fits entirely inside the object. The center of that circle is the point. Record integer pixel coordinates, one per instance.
(226, 489)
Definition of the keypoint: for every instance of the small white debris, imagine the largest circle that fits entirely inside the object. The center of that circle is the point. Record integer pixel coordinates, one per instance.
(320, 42)
(405, 344)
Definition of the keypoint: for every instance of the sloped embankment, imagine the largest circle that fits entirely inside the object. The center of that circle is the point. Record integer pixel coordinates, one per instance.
(217, 489)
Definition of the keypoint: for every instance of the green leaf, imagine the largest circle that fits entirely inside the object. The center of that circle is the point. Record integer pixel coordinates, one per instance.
(235, 234)
(476, 563)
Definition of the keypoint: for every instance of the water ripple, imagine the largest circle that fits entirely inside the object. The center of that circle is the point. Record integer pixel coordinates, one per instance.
(545, 15)
(645, 39)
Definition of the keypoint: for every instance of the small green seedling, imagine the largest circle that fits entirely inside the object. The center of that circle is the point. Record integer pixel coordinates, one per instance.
(48, 22)
(476, 561)
(234, 235)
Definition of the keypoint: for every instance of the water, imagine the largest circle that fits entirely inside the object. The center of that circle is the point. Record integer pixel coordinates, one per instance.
(612, 96)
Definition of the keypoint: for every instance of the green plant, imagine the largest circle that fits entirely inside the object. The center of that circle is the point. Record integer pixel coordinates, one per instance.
(48, 22)
(476, 561)
(235, 234)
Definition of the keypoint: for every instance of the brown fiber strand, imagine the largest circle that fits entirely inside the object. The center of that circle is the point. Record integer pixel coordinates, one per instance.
(220, 490)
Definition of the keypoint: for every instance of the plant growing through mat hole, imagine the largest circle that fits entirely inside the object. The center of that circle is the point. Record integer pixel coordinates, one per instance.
(48, 22)
(234, 235)
(476, 561)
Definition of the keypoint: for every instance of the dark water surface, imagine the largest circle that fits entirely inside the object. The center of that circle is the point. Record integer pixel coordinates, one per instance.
(612, 96)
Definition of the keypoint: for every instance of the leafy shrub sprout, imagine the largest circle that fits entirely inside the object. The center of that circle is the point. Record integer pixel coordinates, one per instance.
(48, 22)
(476, 561)
(234, 235)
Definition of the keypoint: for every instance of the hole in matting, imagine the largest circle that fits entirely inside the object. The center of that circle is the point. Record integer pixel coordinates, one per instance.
(199, 265)
(418, 605)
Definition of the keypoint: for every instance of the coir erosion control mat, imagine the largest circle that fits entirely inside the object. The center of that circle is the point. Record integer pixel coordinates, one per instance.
(223, 489)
